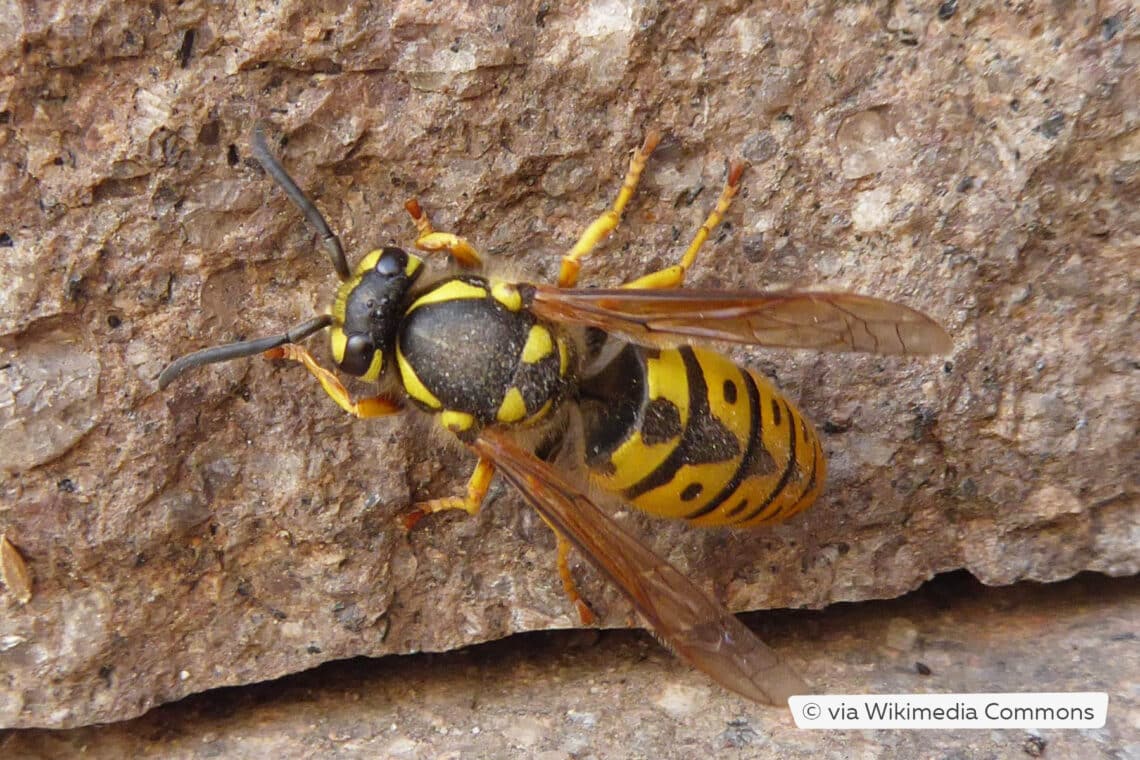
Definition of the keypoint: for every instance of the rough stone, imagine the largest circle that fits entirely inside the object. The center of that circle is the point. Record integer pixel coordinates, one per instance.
(548, 695)
(979, 164)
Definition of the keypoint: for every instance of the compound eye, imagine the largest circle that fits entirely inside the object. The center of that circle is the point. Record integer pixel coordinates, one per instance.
(392, 262)
(358, 353)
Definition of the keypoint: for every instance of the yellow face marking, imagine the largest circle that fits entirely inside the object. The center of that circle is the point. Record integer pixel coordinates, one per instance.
(373, 371)
(413, 385)
(507, 294)
(369, 262)
(341, 299)
(513, 407)
(448, 291)
(456, 422)
(337, 342)
(539, 344)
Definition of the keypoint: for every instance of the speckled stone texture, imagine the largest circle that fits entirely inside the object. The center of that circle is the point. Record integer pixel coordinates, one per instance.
(557, 696)
(979, 161)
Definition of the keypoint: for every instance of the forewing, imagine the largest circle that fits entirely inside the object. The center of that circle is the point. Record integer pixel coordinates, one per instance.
(788, 319)
(701, 631)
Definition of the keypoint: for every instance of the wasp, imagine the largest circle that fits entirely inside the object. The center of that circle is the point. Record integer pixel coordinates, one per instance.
(566, 392)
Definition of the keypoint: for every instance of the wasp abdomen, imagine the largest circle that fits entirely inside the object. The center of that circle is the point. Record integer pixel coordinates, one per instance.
(686, 433)
(469, 351)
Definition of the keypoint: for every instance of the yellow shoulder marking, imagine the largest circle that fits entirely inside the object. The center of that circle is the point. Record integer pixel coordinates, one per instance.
(513, 407)
(539, 345)
(563, 357)
(413, 385)
(456, 422)
(507, 294)
(452, 290)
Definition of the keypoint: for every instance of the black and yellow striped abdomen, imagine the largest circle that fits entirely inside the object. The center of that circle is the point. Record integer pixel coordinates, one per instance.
(685, 433)
(468, 351)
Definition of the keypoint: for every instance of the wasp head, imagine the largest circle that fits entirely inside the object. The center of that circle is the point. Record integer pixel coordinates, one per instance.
(368, 309)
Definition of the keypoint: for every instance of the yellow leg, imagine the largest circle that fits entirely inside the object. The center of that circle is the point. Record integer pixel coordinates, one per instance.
(377, 406)
(674, 276)
(477, 487)
(429, 240)
(585, 614)
(601, 227)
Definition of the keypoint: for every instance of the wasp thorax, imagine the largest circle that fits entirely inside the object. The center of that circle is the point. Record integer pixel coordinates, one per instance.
(368, 309)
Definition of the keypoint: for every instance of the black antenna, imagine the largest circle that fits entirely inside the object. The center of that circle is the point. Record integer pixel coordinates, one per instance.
(275, 170)
(241, 349)
(331, 242)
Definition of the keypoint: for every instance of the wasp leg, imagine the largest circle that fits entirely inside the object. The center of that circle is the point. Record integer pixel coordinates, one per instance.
(600, 228)
(477, 486)
(585, 614)
(429, 240)
(674, 276)
(376, 406)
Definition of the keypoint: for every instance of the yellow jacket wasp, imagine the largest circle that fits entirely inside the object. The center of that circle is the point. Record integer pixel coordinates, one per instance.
(528, 376)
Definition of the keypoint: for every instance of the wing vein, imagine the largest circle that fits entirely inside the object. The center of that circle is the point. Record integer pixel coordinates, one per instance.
(698, 629)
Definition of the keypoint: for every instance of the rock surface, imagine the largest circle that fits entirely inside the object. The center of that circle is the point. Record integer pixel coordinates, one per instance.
(979, 162)
(565, 695)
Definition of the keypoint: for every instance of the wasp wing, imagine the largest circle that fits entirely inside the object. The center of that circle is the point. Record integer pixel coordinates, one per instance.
(789, 319)
(701, 631)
